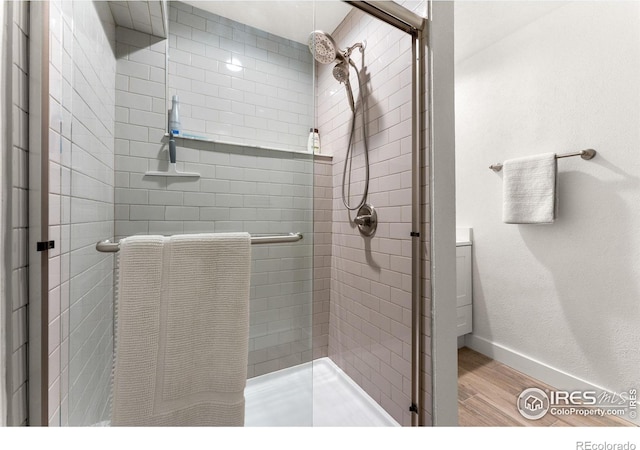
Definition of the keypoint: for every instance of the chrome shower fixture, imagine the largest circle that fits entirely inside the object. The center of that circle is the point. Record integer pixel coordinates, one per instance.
(325, 50)
(358, 45)
(323, 47)
(341, 72)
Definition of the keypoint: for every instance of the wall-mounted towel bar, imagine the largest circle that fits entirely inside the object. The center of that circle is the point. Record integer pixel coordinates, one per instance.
(107, 246)
(584, 154)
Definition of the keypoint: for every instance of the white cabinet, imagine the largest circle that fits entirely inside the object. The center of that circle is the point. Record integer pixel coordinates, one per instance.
(464, 292)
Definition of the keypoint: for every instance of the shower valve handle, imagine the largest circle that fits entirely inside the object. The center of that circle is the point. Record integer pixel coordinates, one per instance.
(364, 220)
(367, 220)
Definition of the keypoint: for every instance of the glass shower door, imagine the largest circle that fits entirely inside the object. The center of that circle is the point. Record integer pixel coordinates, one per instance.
(247, 103)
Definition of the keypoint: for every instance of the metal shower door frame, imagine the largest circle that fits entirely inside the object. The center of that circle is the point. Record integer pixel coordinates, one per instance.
(38, 307)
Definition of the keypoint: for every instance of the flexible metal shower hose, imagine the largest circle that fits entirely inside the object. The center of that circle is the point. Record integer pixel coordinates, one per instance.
(349, 156)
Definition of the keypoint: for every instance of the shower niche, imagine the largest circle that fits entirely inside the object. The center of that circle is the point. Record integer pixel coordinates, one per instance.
(237, 83)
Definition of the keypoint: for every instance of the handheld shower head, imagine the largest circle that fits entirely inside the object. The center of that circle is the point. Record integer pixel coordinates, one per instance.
(341, 72)
(323, 47)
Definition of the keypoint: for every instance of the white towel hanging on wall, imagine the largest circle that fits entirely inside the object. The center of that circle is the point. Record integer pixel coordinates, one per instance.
(529, 189)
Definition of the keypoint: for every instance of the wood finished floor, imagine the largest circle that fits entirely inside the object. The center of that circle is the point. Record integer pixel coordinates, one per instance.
(487, 393)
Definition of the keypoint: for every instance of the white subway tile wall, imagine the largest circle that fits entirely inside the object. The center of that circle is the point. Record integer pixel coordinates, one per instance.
(19, 214)
(370, 317)
(240, 189)
(237, 83)
(82, 87)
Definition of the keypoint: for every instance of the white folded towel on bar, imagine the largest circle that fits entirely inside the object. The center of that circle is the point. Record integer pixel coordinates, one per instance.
(182, 330)
(529, 189)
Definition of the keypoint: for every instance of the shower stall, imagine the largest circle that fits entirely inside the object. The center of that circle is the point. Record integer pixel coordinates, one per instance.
(340, 321)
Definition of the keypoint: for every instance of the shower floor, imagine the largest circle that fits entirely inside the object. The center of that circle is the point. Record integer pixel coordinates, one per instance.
(317, 393)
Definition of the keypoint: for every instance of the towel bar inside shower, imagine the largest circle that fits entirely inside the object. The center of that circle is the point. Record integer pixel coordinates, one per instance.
(584, 154)
(107, 246)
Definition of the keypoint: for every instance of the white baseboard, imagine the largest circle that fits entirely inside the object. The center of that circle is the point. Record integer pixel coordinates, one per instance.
(531, 367)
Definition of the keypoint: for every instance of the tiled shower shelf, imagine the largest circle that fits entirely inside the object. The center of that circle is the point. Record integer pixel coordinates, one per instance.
(236, 144)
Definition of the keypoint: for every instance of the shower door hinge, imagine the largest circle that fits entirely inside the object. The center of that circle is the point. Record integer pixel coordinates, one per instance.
(413, 408)
(415, 234)
(45, 245)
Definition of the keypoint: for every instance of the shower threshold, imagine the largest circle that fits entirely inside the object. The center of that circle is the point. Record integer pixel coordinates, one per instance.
(316, 393)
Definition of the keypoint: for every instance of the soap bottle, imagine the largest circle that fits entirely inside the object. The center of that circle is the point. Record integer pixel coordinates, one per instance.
(174, 117)
(313, 143)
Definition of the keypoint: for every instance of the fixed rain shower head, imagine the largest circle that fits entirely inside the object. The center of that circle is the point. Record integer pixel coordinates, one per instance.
(325, 51)
(323, 47)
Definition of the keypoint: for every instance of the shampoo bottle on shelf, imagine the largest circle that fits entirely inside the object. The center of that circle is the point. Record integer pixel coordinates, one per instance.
(174, 117)
(313, 143)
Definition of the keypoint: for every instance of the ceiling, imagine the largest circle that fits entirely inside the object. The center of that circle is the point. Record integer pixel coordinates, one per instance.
(479, 24)
(288, 19)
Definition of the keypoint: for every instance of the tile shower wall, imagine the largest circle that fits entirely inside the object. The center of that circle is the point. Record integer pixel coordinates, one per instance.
(82, 85)
(20, 184)
(240, 189)
(237, 83)
(370, 317)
